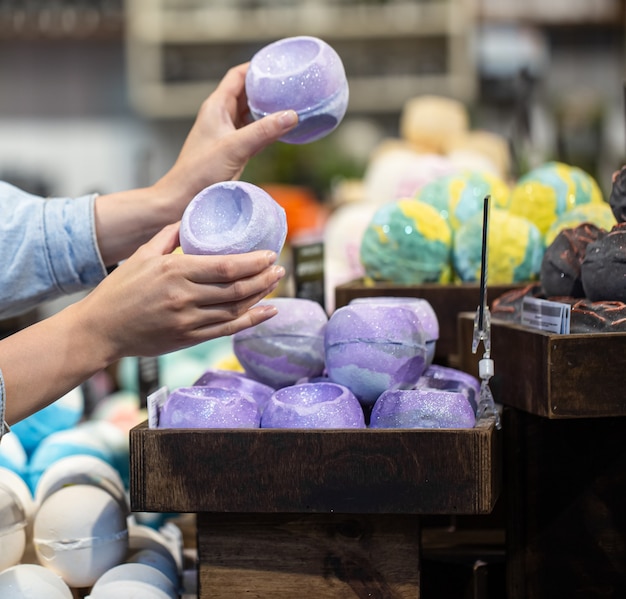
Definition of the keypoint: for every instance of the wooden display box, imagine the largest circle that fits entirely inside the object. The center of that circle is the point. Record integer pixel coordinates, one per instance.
(313, 513)
(549, 375)
(447, 301)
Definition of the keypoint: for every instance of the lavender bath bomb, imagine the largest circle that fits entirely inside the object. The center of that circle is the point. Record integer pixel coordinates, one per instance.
(422, 408)
(301, 73)
(313, 405)
(232, 217)
(209, 407)
(444, 378)
(230, 379)
(287, 347)
(374, 347)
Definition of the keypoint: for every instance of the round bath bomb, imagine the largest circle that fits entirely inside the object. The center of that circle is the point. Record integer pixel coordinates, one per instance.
(301, 73)
(423, 310)
(287, 347)
(231, 379)
(313, 405)
(489, 146)
(12, 454)
(32, 581)
(603, 269)
(374, 347)
(79, 533)
(422, 408)
(515, 249)
(460, 196)
(163, 563)
(598, 214)
(209, 407)
(598, 317)
(560, 273)
(136, 580)
(617, 199)
(232, 217)
(13, 523)
(407, 242)
(544, 193)
(430, 120)
(444, 378)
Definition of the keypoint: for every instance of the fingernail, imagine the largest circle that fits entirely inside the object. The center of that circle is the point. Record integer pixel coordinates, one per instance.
(288, 118)
(271, 257)
(279, 271)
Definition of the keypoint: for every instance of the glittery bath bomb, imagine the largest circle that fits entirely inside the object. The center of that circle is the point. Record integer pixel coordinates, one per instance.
(543, 194)
(422, 408)
(445, 378)
(209, 407)
(460, 196)
(232, 217)
(407, 242)
(230, 379)
(313, 405)
(301, 73)
(374, 347)
(515, 249)
(287, 347)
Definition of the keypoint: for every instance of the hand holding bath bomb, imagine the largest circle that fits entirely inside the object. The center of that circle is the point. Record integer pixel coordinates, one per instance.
(301, 73)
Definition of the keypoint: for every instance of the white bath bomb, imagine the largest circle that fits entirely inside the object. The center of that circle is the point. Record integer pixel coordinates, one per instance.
(301, 73)
(31, 581)
(79, 533)
(232, 217)
(13, 522)
(136, 580)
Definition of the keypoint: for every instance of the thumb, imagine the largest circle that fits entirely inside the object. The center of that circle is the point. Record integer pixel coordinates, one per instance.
(257, 135)
(164, 242)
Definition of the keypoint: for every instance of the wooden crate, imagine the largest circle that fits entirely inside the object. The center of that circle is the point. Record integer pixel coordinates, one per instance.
(324, 513)
(447, 301)
(549, 375)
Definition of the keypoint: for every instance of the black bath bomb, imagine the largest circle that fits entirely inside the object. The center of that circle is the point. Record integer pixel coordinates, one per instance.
(603, 270)
(617, 199)
(598, 317)
(560, 273)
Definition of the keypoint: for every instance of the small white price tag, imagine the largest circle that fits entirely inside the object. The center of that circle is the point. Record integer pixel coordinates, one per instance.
(155, 402)
(546, 315)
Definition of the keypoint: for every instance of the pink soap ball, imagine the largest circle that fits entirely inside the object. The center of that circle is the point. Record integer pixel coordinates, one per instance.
(422, 408)
(370, 348)
(232, 217)
(287, 347)
(304, 74)
(230, 379)
(313, 405)
(209, 407)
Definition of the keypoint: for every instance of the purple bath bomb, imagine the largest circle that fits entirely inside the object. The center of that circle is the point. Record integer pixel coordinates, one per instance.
(370, 348)
(301, 73)
(232, 217)
(313, 405)
(423, 310)
(445, 378)
(287, 347)
(422, 408)
(230, 379)
(209, 407)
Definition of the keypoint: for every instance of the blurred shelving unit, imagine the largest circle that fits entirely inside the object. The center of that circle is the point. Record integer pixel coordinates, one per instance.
(177, 50)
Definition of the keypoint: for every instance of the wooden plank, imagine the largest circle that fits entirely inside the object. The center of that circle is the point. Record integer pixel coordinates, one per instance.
(447, 301)
(400, 471)
(280, 556)
(554, 376)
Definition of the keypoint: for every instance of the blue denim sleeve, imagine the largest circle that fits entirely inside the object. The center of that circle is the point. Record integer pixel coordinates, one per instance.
(48, 249)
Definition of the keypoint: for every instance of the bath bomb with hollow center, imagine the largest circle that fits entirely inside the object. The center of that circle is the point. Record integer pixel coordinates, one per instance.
(445, 378)
(79, 533)
(422, 408)
(370, 348)
(287, 347)
(313, 405)
(232, 217)
(230, 379)
(304, 74)
(25, 581)
(209, 407)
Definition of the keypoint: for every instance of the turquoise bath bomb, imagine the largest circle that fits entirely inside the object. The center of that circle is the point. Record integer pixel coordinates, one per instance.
(407, 242)
(515, 249)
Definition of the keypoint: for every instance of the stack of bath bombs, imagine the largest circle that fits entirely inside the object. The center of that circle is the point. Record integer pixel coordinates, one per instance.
(303, 369)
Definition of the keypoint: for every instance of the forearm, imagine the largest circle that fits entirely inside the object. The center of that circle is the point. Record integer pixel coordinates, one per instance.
(46, 360)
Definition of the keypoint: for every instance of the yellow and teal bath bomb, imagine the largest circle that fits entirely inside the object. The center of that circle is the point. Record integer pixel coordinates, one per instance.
(596, 213)
(459, 196)
(407, 242)
(515, 249)
(544, 193)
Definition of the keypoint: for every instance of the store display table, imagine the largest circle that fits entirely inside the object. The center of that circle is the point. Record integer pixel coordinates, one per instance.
(313, 513)
(564, 458)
